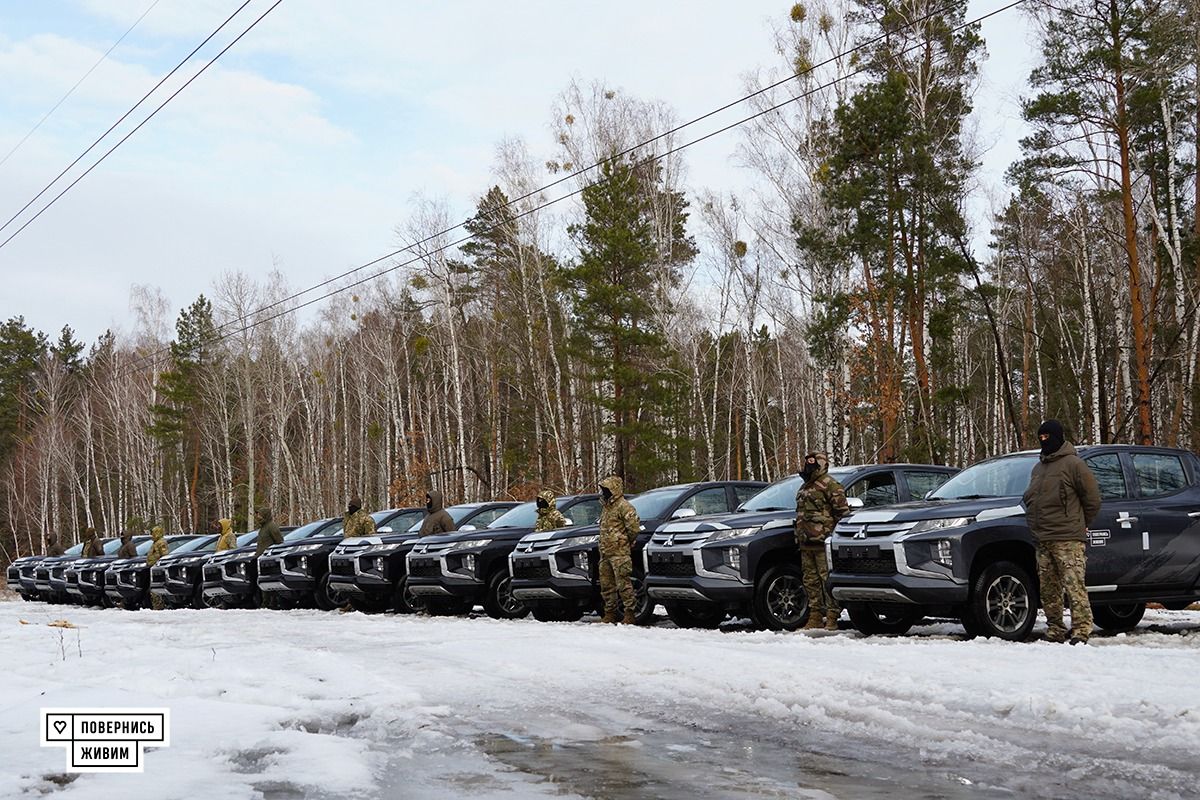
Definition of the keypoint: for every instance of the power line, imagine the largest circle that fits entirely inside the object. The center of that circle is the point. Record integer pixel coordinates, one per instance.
(149, 357)
(583, 171)
(122, 118)
(71, 91)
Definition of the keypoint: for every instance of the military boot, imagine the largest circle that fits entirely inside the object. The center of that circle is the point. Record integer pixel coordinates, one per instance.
(814, 621)
(629, 619)
(831, 621)
(609, 618)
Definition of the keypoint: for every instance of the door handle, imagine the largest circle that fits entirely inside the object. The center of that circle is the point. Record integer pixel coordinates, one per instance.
(1194, 514)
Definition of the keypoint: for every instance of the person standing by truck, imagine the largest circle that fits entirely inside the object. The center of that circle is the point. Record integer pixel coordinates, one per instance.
(91, 545)
(53, 548)
(820, 503)
(437, 518)
(619, 526)
(549, 518)
(268, 531)
(227, 540)
(357, 522)
(128, 549)
(1062, 500)
(157, 550)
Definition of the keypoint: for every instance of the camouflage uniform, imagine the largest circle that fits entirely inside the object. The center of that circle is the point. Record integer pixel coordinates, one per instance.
(1061, 567)
(157, 551)
(820, 503)
(358, 523)
(619, 526)
(549, 518)
(228, 540)
(91, 545)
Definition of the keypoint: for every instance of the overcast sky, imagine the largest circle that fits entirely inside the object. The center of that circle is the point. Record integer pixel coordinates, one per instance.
(302, 147)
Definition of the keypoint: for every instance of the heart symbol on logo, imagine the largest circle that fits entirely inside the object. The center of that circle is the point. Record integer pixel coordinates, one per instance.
(60, 725)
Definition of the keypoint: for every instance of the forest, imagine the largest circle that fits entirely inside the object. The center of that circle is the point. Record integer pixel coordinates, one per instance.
(670, 332)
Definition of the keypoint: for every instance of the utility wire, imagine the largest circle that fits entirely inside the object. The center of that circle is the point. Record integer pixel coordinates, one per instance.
(71, 91)
(583, 171)
(150, 357)
(112, 127)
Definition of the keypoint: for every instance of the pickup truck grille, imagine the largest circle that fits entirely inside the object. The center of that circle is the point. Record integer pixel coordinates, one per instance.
(268, 568)
(212, 572)
(340, 566)
(530, 569)
(672, 567)
(878, 565)
(425, 569)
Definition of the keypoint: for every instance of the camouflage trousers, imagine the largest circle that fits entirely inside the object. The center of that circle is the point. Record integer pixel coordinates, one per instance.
(156, 602)
(1061, 567)
(816, 583)
(616, 579)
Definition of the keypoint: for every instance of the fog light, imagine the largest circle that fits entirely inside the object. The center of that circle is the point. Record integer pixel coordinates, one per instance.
(581, 560)
(303, 562)
(469, 563)
(379, 565)
(942, 554)
(733, 557)
(241, 568)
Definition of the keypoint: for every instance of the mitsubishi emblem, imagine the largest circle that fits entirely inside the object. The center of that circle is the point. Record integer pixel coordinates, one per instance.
(861, 533)
(671, 540)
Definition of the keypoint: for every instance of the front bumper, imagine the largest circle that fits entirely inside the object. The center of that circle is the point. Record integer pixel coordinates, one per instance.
(176, 583)
(432, 576)
(129, 586)
(363, 574)
(542, 577)
(223, 579)
(283, 575)
(906, 589)
(29, 580)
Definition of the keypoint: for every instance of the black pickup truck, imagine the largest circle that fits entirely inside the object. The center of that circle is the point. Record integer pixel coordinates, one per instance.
(455, 571)
(381, 562)
(557, 573)
(85, 576)
(374, 593)
(178, 577)
(21, 578)
(127, 580)
(54, 568)
(967, 552)
(230, 578)
(747, 563)
(296, 572)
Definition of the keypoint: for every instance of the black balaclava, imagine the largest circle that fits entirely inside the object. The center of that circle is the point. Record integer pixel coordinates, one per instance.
(542, 503)
(354, 505)
(1055, 436)
(606, 493)
(810, 467)
(428, 503)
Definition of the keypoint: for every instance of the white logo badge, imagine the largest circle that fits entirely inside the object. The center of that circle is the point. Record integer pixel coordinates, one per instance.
(105, 739)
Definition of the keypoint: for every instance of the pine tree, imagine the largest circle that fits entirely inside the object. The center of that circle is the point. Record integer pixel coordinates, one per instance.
(21, 348)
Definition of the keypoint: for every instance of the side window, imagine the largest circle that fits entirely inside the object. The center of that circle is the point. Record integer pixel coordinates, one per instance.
(1107, 469)
(744, 493)
(485, 518)
(583, 513)
(1158, 474)
(708, 501)
(921, 483)
(875, 490)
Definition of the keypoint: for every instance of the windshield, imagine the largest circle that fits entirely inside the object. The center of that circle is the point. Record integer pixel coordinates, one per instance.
(112, 547)
(74, 551)
(522, 516)
(1001, 477)
(247, 538)
(144, 547)
(311, 529)
(457, 513)
(654, 504)
(179, 544)
(779, 496)
(205, 544)
(399, 522)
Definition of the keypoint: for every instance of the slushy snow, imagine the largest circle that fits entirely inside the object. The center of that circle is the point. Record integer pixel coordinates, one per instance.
(284, 704)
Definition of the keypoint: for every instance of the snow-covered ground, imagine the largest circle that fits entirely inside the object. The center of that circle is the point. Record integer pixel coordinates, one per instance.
(310, 704)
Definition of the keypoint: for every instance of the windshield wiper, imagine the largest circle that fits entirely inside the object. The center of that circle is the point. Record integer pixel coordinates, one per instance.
(966, 497)
(770, 508)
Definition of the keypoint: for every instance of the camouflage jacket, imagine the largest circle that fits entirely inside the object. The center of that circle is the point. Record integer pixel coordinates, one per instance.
(820, 503)
(549, 518)
(92, 548)
(158, 549)
(619, 522)
(228, 539)
(358, 524)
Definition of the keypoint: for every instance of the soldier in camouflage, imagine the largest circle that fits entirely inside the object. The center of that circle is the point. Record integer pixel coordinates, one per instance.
(619, 526)
(53, 548)
(157, 550)
(92, 548)
(549, 518)
(820, 503)
(357, 521)
(228, 539)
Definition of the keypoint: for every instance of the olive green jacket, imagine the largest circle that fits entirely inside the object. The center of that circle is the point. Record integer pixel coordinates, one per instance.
(1063, 497)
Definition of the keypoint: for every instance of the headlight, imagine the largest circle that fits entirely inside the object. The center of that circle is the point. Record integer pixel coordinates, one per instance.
(733, 557)
(305, 548)
(581, 558)
(732, 533)
(578, 541)
(385, 548)
(926, 525)
(470, 543)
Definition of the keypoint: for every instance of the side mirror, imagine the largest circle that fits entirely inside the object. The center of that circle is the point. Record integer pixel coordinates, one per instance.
(855, 503)
(683, 513)
(468, 528)
(384, 529)
(929, 494)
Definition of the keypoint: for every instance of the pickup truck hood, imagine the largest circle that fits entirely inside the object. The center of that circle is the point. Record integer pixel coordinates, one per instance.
(983, 508)
(721, 522)
(284, 549)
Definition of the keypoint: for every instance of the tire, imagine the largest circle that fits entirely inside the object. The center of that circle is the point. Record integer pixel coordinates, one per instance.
(883, 618)
(780, 602)
(325, 598)
(404, 601)
(1117, 618)
(499, 603)
(198, 598)
(557, 612)
(643, 614)
(693, 617)
(1004, 601)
